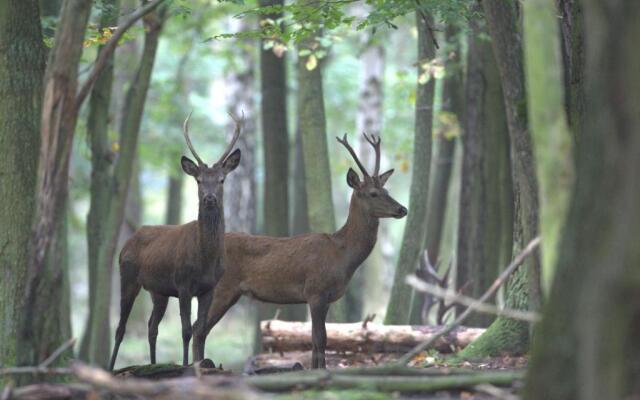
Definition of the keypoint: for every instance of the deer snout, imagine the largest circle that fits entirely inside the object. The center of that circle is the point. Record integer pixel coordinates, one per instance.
(209, 200)
(401, 212)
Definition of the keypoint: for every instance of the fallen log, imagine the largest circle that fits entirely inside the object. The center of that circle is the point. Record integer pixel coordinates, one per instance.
(282, 336)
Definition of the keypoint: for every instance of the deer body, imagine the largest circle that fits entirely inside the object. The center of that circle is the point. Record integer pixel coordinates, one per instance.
(182, 261)
(313, 268)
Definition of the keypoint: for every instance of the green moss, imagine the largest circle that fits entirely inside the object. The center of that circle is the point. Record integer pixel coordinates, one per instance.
(504, 336)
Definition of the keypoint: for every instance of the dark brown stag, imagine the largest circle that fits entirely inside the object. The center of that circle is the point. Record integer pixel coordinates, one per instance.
(313, 268)
(180, 261)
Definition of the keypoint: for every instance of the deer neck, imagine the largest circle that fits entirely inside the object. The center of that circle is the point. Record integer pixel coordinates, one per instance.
(359, 234)
(210, 235)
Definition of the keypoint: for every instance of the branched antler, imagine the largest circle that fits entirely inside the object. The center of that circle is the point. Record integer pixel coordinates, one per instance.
(346, 144)
(236, 135)
(185, 131)
(375, 142)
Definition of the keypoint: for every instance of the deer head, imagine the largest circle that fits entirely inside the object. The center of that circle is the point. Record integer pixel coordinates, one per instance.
(370, 191)
(211, 179)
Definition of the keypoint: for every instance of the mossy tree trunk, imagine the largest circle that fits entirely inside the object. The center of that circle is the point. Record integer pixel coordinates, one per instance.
(118, 186)
(586, 346)
(399, 307)
(22, 64)
(551, 137)
(523, 288)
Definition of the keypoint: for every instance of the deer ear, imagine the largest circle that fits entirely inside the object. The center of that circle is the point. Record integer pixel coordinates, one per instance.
(189, 167)
(383, 178)
(352, 179)
(231, 162)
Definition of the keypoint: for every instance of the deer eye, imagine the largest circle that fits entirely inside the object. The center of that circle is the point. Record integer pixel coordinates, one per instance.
(222, 180)
(373, 194)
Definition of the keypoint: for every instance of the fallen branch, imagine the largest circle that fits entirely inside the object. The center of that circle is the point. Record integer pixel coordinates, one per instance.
(283, 336)
(42, 368)
(490, 292)
(448, 295)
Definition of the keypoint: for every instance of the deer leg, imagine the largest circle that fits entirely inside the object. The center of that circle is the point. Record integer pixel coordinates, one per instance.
(199, 328)
(222, 301)
(318, 333)
(129, 290)
(184, 299)
(159, 307)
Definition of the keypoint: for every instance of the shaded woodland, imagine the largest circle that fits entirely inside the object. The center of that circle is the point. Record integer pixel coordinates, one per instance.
(471, 233)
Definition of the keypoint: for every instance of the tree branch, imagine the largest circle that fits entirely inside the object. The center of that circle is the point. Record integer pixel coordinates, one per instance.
(502, 278)
(448, 295)
(110, 47)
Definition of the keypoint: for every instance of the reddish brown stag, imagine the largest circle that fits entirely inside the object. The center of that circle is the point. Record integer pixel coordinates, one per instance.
(180, 261)
(313, 268)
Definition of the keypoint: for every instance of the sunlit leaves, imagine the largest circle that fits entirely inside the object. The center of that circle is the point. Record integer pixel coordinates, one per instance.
(312, 63)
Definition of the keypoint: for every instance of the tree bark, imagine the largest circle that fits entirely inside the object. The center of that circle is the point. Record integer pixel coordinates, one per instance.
(523, 288)
(399, 307)
(102, 157)
(281, 336)
(22, 65)
(590, 323)
(119, 184)
(59, 114)
(551, 137)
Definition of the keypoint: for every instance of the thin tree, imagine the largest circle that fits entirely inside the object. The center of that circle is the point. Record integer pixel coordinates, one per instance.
(445, 139)
(586, 346)
(102, 158)
(118, 186)
(399, 307)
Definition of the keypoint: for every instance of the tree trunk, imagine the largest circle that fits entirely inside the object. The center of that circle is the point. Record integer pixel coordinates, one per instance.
(316, 157)
(118, 187)
(573, 60)
(369, 120)
(399, 307)
(102, 157)
(240, 193)
(275, 138)
(21, 73)
(300, 220)
(484, 230)
(174, 199)
(445, 139)
(590, 325)
(523, 288)
(59, 114)
(550, 131)
(280, 336)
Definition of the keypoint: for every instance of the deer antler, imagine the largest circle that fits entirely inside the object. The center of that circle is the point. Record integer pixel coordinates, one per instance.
(185, 131)
(346, 144)
(375, 142)
(236, 135)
